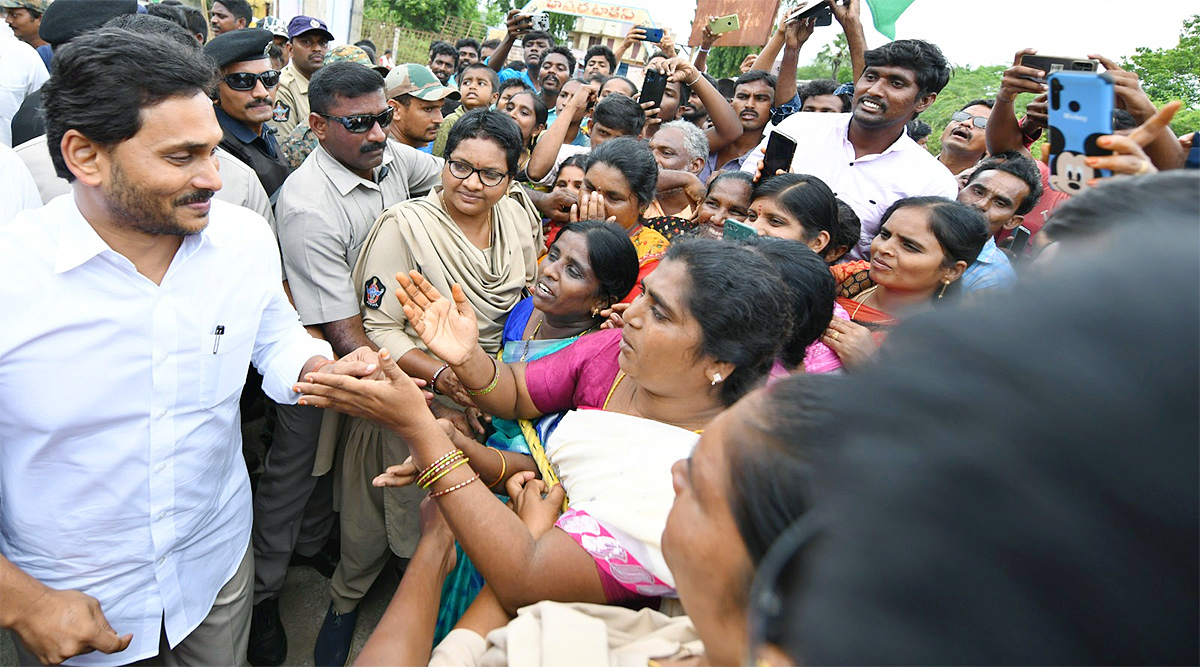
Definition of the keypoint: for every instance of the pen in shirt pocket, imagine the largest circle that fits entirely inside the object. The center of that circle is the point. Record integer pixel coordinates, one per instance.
(217, 333)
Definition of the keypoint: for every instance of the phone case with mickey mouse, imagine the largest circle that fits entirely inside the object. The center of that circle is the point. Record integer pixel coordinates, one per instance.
(1080, 109)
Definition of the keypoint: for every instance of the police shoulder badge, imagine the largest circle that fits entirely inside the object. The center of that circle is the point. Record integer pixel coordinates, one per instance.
(373, 293)
(280, 112)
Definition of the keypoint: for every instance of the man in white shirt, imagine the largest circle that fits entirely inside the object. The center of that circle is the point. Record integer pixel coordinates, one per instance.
(21, 73)
(17, 188)
(133, 307)
(865, 156)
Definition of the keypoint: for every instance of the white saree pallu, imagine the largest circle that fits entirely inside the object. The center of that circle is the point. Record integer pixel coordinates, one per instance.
(616, 470)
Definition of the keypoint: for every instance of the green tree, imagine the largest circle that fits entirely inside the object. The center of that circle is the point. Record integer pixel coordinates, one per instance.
(725, 61)
(832, 61)
(427, 15)
(1174, 73)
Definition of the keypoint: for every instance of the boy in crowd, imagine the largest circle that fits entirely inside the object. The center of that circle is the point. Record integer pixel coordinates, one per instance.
(478, 87)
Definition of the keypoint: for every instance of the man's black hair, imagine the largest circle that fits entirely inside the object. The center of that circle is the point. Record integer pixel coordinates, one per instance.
(620, 113)
(1020, 166)
(823, 87)
(564, 52)
(344, 79)
(98, 85)
(440, 48)
(926, 61)
(602, 50)
(756, 75)
(239, 8)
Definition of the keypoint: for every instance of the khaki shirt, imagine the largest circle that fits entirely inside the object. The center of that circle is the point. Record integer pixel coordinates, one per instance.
(291, 100)
(324, 212)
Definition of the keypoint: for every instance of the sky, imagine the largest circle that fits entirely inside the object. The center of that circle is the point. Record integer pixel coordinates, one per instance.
(990, 32)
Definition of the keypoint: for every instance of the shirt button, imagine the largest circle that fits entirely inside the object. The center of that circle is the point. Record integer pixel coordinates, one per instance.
(162, 413)
(162, 515)
(160, 467)
(162, 560)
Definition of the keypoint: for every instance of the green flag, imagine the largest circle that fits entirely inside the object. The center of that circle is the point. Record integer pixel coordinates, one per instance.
(885, 13)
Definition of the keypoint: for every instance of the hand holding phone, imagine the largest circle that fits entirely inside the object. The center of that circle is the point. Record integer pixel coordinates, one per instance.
(651, 34)
(819, 11)
(738, 231)
(778, 154)
(724, 24)
(541, 21)
(1052, 64)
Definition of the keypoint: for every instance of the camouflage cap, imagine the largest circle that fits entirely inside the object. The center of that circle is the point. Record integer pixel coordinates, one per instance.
(354, 54)
(38, 6)
(418, 81)
(273, 24)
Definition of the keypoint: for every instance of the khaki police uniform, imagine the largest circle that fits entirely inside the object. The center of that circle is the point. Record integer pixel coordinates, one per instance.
(291, 100)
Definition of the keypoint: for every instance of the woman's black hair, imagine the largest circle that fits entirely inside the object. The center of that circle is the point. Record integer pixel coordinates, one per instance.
(633, 159)
(612, 255)
(540, 112)
(744, 317)
(811, 287)
(734, 175)
(488, 124)
(577, 160)
(343, 79)
(960, 230)
(99, 84)
(806, 198)
(849, 228)
(951, 529)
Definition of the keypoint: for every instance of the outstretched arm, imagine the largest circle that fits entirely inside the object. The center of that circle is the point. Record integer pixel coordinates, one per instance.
(635, 34)
(726, 127)
(542, 159)
(795, 35)
(1003, 131)
(849, 16)
(518, 24)
(551, 567)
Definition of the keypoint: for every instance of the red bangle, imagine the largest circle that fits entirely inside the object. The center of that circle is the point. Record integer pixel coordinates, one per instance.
(455, 487)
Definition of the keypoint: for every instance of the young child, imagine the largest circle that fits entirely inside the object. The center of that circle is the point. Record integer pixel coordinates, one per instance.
(478, 85)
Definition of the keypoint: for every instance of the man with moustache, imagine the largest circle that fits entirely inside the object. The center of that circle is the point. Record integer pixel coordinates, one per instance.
(163, 297)
(309, 40)
(244, 100)
(753, 95)
(963, 141)
(865, 156)
(557, 67)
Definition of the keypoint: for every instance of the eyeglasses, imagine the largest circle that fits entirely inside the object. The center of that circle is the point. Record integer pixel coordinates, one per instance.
(489, 177)
(247, 80)
(363, 122)
(978, 121)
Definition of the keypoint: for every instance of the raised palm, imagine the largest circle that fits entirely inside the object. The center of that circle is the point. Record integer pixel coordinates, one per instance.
(449, 328)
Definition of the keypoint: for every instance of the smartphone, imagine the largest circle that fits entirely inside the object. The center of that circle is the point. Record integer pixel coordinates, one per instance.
(1052, 64)
(778, 154)
(541, 21)
(724, 24)
(653, 87)
(652, 34)
(1020, 240)
(1079, 110)
(819, 11)
(738, 231)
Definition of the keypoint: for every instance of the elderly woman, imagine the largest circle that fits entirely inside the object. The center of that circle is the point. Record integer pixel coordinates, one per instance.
(477, 233)
(618, 185)
(704, 332)
(923, 246)
(728, 196)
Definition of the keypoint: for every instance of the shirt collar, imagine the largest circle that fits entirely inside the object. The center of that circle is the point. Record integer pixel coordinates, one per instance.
(235, 127)
(987, 254)
(78, 241)
(301, 80)
(345, 180)
(902, 143)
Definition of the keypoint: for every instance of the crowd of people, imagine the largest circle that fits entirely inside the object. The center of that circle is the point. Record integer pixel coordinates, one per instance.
(606, 390)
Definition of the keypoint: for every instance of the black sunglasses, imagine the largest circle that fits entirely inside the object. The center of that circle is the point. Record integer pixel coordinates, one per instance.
(363, 122)
(247, 80)
(978, 121)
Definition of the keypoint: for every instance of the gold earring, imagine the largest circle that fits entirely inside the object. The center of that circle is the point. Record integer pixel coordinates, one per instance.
(942, 293)
(595, 311)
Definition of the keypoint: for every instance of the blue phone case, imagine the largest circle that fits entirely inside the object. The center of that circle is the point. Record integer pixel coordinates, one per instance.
(1080, 111)
(653, 34)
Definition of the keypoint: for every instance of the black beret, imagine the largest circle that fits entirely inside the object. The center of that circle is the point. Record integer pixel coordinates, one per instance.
(236, 46)
(65, 20)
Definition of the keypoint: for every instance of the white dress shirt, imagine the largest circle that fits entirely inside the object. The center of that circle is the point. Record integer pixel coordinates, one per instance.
(21, 72)
(18, 191)
(869, 184)
(121, 470)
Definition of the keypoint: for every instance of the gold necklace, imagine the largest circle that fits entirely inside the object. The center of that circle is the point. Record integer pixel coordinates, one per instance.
(865, 295)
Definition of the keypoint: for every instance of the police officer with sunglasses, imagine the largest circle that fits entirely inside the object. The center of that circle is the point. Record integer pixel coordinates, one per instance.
(244, 100)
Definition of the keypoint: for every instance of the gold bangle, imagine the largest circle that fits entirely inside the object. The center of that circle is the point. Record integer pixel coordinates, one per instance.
(503, 466)
(450, 454)
(429, 472)
(455, 487)
(488, 389)
(445, 472)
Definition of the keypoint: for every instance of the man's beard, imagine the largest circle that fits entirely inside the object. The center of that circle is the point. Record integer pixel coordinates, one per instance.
(135, 207)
